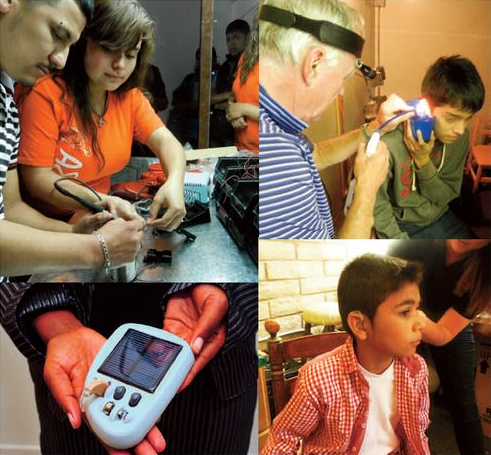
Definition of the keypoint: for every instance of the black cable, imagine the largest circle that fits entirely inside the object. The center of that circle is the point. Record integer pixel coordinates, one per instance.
(93, 207)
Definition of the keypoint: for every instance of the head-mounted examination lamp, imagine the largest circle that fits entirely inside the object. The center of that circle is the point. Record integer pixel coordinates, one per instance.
(326, 32)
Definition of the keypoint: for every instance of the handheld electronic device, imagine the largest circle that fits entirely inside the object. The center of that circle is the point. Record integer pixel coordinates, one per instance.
(134, 377)
(423, 120)
(372, 144)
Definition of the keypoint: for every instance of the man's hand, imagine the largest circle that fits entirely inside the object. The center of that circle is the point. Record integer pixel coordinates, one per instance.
(239, 123)
(69, 356)
(124, 209)
(197, 316)
(91, 222)
(392, 106)
(419, 150)
(123, 239)
(371, 171)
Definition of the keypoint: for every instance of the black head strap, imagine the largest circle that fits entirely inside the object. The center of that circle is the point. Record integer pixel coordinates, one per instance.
(326, 32)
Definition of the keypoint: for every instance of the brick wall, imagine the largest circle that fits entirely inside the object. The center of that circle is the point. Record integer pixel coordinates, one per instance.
(294, 274)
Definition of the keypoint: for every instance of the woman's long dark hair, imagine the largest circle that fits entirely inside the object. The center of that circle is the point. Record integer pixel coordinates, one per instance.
(251, 52)
(476, 279)
(118, 25)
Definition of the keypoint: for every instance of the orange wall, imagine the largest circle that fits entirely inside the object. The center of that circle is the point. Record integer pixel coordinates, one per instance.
(414, 33)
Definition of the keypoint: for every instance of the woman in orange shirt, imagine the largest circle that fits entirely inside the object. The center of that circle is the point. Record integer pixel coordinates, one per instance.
(243, 113)
(81, 123)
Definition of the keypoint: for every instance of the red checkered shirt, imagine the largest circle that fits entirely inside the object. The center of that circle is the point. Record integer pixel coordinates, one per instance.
(329, 408)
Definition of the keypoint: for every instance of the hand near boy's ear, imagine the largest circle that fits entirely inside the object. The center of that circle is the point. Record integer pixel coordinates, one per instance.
(357, 322)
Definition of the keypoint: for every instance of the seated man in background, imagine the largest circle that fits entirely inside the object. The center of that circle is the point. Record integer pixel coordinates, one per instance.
(221, 132)
(423, 176)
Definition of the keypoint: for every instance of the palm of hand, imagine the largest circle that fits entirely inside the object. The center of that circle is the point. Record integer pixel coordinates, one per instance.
(71, 354)
(182, 316)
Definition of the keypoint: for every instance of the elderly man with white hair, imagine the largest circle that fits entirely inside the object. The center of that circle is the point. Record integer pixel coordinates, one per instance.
(308, 49)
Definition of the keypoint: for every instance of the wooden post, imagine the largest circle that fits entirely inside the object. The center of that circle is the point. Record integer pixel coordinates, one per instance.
(205, 73)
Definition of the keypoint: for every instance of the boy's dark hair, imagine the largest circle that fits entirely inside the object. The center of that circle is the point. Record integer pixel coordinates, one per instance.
(86, 6)
(369, 279)
(238, 25)
(455, 81)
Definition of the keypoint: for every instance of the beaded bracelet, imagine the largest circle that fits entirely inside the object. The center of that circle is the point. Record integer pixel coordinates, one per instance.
(105, 251)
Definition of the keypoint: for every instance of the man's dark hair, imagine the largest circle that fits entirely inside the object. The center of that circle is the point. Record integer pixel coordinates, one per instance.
(238, 25)
(455, 81)
(369, 279)
(86, 6)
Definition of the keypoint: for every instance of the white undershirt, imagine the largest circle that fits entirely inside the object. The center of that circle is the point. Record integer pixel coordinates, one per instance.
(380, 438)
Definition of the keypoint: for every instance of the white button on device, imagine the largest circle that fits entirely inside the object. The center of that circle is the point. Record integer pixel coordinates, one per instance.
(139, 368)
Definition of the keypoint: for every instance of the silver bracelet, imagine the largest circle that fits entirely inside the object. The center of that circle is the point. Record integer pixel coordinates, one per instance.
(105, 251)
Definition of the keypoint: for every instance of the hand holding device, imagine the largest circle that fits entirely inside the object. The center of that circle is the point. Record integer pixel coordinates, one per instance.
(197, 315)
(142, 368)
(423, 120)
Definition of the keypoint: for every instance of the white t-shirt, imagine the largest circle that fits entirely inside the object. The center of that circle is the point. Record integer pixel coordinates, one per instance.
(380, 438)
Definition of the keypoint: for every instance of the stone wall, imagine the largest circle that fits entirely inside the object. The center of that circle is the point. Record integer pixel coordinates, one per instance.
(294, 274)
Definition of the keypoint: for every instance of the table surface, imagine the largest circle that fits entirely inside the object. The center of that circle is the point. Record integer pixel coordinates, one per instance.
(212, 257)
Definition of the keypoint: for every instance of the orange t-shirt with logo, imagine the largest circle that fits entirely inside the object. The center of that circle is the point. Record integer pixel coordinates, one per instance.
(52, 136)
(248, 138)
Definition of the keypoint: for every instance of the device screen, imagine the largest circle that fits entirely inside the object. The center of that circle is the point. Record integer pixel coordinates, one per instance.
(140, 360)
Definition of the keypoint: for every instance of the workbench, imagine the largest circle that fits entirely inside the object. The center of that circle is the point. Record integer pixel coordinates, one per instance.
(212, 257)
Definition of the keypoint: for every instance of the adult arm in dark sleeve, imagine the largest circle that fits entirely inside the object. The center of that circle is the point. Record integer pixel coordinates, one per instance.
(21, 303)
(242, 313)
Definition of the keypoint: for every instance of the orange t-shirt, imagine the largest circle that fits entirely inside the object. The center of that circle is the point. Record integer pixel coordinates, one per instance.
(248, 139)
(51, 135)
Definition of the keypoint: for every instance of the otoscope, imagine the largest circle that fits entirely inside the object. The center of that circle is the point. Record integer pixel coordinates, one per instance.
(422, 121)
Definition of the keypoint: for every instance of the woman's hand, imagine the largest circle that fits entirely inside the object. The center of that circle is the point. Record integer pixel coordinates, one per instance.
(123, 209)
(171, 197)
(234, 111)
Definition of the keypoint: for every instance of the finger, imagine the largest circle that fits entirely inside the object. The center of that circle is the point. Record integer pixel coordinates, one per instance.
(215, 307)
(408, 136)
(144, 448)
(155, 438)
(110, 206)
(206, 355)
(421, 141)
(432, 140)
(62, 390)
(154, 211)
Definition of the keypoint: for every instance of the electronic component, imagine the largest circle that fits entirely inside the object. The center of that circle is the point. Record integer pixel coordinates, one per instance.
(154, 256)
(131, 381)
(423, 120)
(372, 144)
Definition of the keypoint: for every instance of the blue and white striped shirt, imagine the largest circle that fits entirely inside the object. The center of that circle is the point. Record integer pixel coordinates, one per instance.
(292, 200)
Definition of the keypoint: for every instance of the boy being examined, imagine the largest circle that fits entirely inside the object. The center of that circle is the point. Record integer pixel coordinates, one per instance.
(424, 177)
(369, 396)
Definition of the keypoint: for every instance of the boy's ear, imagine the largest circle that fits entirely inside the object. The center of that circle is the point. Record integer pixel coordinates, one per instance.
(359, 324)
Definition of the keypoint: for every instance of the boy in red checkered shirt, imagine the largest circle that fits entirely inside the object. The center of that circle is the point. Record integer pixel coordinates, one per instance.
(369, 396)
